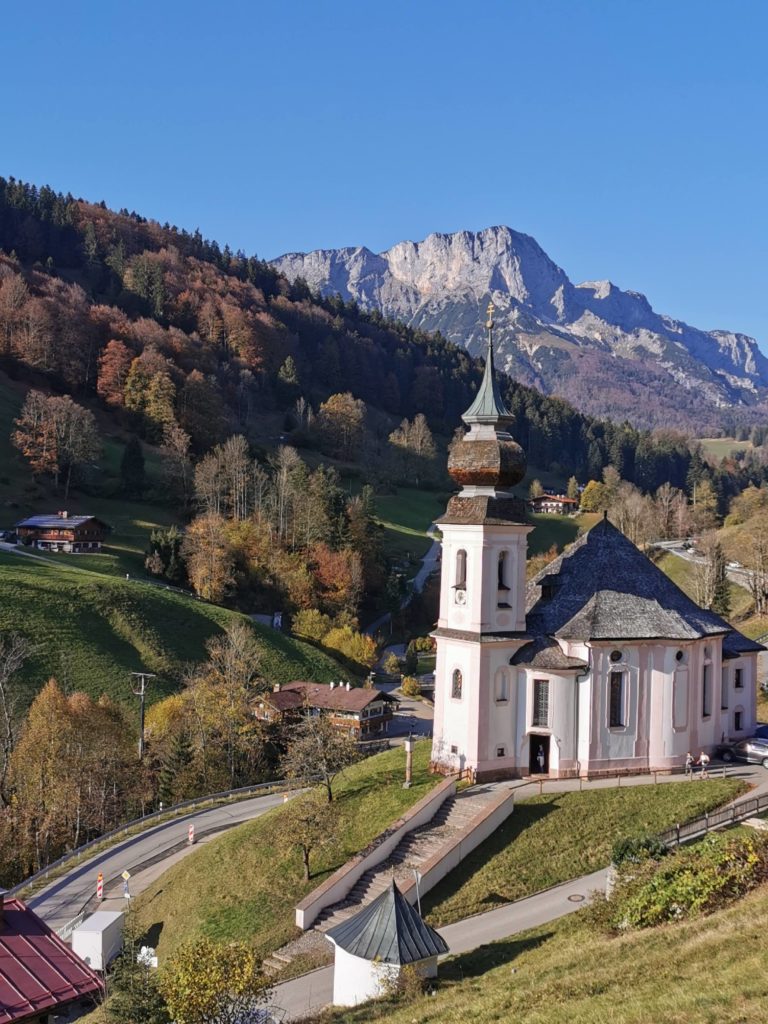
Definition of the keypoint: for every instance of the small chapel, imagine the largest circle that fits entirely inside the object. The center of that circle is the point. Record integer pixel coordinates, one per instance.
(599, 664)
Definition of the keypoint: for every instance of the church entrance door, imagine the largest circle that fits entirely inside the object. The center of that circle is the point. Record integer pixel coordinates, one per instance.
(538, 754)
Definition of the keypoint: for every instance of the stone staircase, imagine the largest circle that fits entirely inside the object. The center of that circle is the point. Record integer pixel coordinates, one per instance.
(415, 849)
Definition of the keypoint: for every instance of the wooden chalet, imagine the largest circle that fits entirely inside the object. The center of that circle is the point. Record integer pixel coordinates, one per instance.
(554, 504)
(363, 713)
(63, 532)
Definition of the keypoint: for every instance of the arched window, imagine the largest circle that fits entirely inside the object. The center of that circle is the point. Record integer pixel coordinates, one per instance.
(456, 684)
(501, 685)
(461, 570)
(503, 571)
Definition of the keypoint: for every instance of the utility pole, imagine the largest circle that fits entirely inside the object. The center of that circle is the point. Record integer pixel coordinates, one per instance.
(142, 678)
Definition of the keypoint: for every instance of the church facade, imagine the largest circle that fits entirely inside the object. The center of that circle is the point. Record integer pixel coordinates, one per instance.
(599, 664)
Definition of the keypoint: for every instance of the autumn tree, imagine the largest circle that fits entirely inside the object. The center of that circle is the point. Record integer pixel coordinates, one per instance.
(311, 824)
(114, 364)
(342, 423)
(205, 982)
(535, 490)
(711, 576)
(208, 557)
(572, 490)
(176, 460)
(56, 436)
(416, 448)
(317, 747)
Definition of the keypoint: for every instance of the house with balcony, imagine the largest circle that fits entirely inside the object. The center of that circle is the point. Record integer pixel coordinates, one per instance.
(63, 532)
(363, 713)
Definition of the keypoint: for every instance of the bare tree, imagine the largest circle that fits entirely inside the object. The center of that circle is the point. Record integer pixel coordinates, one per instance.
(318, 747)
(14, 651)
(311, 824)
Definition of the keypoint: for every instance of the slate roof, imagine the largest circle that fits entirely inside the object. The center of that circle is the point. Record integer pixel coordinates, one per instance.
(297, 694)
(604, 588)
(388, 929)
(37, 971)
(545, 653)
(55, 521)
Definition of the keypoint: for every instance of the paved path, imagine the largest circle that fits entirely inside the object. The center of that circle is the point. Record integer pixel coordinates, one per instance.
(64, 898)
(314, 991)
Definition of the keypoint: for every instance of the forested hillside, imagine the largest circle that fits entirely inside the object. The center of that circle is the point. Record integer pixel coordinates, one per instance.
(270, 414)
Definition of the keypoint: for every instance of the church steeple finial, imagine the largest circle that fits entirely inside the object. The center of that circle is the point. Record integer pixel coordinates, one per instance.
(488, 406)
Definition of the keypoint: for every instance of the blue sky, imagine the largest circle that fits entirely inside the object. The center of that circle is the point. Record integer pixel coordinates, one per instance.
(628, 137)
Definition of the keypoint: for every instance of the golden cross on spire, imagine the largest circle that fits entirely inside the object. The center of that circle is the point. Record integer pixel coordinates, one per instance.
(489, 323)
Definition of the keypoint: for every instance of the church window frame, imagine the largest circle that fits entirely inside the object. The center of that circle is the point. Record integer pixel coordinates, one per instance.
(461, 570)
(617, 699)
(706, 689)
(738, 719)
(738, 679)
(501, 686)
(724, 680)
(457, 684)
(541, 704)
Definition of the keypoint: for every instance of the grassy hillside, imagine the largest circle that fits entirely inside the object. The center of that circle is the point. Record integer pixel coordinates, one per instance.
(244, 885)
(558, 836)
(93, 630)
(722, 447)
(682, 572)
(706, 970)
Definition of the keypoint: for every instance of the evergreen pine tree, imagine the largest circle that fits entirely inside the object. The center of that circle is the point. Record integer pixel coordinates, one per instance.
(721, 601)
(134, 995)
(132, 468)
(176, 760)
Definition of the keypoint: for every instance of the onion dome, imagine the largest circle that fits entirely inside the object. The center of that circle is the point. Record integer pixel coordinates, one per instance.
(487, 456)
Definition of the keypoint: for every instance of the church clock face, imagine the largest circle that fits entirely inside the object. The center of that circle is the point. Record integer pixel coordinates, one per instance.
(461, 597)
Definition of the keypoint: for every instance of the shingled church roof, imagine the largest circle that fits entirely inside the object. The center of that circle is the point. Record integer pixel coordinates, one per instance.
(604, 588)
(388, 930)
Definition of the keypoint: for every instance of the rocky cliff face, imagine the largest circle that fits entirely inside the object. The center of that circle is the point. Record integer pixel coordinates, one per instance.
(602, 348)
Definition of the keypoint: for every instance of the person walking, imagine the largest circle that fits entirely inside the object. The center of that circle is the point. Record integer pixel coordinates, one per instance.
(689, 765)
(541, 757)
(704, 763)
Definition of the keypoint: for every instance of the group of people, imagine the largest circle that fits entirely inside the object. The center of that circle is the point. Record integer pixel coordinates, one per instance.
(702, 763)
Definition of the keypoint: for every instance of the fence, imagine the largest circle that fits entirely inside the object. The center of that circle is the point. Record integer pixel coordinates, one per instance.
(187, 806)
(716, 819)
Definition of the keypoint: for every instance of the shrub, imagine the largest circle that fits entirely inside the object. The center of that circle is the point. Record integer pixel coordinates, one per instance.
(411, 663)
(311, 623)
(638, 848)
(358, 647)
(392, 665)
(690, 881)
(411, 686)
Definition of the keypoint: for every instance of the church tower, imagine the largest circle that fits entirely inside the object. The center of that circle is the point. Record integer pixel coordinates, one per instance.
(481, 622)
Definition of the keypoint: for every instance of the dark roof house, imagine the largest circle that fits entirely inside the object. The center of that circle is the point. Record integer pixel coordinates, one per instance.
(39, 974)
(362, 709)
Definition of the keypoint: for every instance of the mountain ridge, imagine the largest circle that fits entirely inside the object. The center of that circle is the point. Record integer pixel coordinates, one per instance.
(546, 324)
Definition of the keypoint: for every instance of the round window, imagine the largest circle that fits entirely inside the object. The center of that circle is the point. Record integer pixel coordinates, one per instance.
(679, 656)
(616, 655)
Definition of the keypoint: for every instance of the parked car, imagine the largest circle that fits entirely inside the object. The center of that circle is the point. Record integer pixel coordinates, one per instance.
(762, 730)
(753, 751)
(9, 536)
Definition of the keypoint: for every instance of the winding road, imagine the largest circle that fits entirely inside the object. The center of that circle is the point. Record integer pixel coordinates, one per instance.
(145, 856)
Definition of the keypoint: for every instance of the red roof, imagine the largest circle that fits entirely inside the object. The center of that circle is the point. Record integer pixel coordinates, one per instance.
(320, 695)
(37, 971)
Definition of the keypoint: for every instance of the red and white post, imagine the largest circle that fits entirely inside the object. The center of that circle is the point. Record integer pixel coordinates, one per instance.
(100, 886)
(191, 834)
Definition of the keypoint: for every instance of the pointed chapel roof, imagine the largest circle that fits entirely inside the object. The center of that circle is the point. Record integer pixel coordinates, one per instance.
(389, 930)
(604, 588)
(488, 406)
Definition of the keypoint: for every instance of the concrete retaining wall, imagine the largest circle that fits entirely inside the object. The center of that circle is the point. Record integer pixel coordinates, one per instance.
(341, 882)
(455, 850)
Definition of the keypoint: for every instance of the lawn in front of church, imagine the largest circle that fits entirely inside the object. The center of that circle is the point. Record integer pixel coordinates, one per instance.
(558, 836)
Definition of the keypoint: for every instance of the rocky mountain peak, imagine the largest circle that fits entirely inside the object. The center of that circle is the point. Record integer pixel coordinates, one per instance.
(550, 333)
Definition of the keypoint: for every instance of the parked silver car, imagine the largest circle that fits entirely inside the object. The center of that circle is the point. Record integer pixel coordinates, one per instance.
(753, 751)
